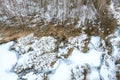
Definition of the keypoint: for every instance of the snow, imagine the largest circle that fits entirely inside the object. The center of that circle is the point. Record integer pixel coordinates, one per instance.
(116, 11)
(99, 64)
(115, 44)
(8, 59)
(95, 64)
(39, 57)
(94, 42)
(30, 76)
(92, 57)
(62, 72)
(108, 70)
(94, 75)
(79, 61)
(8, 76)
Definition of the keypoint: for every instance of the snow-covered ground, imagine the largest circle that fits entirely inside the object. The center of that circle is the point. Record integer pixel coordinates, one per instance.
(35, 64)
(8, 60)
(45, 58)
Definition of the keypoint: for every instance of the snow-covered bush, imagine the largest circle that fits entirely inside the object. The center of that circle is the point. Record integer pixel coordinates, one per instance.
(79, 72)
(24, 43)
(108, 70)
(31, 43)
(37, 54)
(45, 44)
(33, 76)
(79, 42)
(55, 11)
(36, 61)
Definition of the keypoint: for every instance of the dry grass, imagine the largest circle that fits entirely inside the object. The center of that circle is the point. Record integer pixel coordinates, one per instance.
(59, 32)
(72, 6)
(104, 26)
(100, 5)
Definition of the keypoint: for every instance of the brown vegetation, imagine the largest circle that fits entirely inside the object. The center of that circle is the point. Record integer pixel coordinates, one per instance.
(68, 53)
(104, 24)
(69, 7)
(61, 33)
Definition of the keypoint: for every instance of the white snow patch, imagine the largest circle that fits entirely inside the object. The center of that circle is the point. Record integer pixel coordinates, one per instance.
(115, 41)
(7, 60)
(79, 59)
(115, 11)
(94, 75)
(97, 65)
(94, 42)
(92, 58)
(30, 76)
(108, 69)
(62, 72)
